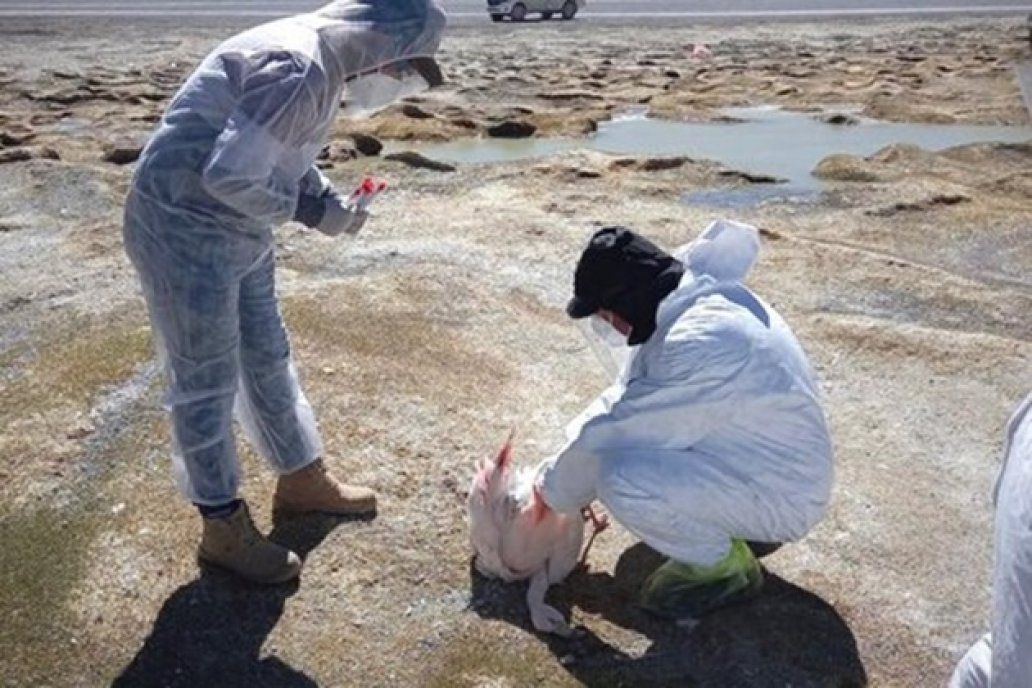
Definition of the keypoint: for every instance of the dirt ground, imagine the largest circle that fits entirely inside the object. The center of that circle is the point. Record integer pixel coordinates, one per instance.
(423, 341)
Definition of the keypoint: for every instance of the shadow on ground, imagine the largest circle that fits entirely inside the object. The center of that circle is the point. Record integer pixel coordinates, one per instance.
(786, 636)
(210, 631)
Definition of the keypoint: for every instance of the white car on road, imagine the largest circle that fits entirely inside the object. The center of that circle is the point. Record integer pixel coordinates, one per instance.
(517, 10)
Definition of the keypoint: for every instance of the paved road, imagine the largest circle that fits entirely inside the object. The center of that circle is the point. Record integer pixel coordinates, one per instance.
(696, 10)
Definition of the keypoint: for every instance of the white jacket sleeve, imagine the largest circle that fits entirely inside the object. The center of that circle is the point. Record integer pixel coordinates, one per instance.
(1012, 568)
(259, 159)
(1002, 658)
(568, 479)
(672, 406)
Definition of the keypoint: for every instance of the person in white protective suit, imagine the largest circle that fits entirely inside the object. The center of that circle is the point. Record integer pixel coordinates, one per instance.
(1003, 657)
(232, 159)
(712, 443)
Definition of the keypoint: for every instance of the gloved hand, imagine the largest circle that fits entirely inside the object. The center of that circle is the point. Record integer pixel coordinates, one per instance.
(329, 213)
(338, 218)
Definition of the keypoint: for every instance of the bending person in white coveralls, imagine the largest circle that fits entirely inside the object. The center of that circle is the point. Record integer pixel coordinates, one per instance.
(1003, 658)
(233, 158)
(713, 436)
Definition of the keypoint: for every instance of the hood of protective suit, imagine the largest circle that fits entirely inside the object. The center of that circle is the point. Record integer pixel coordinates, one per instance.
(362, 35)
(724, 252)
(351, 36)
(719, 259)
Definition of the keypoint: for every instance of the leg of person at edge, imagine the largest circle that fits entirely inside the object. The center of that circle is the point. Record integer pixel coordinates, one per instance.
(232, 159)
(1003, 658)
(712, 444)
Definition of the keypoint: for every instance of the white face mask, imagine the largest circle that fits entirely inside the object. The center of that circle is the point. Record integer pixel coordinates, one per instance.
(367, 94)
(608, 345)
(607, 333)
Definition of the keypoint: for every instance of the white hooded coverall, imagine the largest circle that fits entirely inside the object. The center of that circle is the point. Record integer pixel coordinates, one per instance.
(715, 430)
(1003, 657)
(234, 157)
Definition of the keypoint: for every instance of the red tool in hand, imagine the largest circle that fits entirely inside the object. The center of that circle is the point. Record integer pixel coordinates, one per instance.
(368, 190)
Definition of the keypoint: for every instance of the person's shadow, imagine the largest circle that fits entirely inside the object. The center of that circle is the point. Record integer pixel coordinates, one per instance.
(785, 636)
(210, 631)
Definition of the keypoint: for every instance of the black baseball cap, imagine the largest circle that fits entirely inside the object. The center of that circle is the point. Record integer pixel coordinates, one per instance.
(616, 262)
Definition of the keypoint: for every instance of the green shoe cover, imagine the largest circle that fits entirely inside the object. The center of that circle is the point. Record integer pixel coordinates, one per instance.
(679, 591)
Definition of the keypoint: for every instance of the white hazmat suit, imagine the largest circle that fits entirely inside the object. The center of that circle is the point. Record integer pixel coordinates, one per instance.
(234, 157)
(1003, 658)
(715, 430)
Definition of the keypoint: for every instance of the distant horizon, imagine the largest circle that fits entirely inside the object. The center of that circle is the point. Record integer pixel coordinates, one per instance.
(701, 10)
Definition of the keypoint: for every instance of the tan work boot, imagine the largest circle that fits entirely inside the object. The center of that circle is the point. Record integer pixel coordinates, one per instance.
(313, 489)
(235, 544)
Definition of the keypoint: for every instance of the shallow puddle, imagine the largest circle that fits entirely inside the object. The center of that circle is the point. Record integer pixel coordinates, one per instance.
(768, 141)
